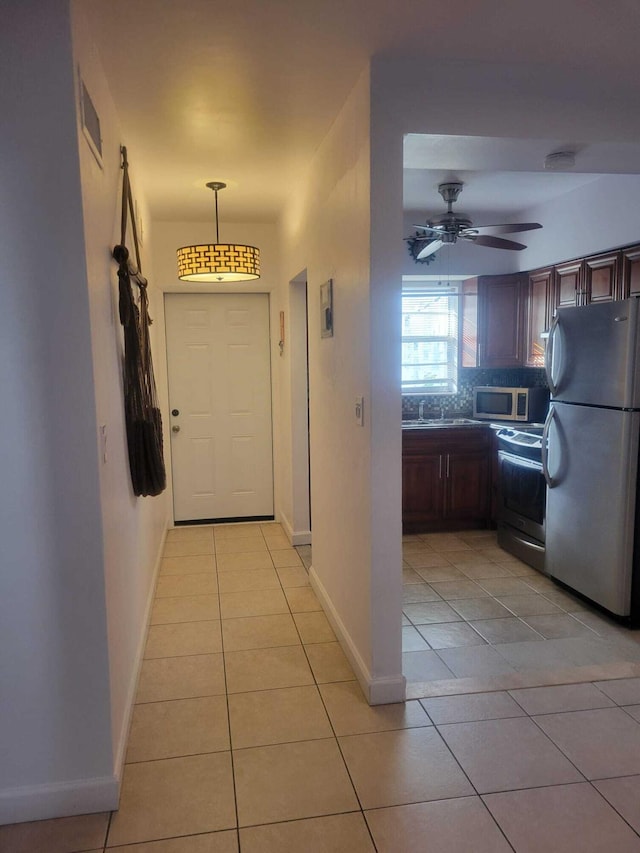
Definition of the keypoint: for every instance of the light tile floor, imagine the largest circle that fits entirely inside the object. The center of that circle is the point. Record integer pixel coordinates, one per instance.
(250, 734)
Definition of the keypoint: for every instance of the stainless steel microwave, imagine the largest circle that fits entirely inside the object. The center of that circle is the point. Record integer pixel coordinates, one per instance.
(495, 403)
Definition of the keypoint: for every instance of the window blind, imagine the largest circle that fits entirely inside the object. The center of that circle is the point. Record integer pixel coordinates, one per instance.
(430, 325)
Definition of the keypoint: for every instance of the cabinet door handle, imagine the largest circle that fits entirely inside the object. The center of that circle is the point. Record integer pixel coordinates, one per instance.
(440, 467)
(448, 457)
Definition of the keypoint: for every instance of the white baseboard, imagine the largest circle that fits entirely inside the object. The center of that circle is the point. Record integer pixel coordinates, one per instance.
(377, 691)
(296, 537)
(121, 746)
(39, 802)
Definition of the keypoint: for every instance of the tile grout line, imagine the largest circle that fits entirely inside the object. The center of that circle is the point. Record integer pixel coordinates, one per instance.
(226, 687)
(336, 739)
(147, 629)
(477, 793)
(291, 613)
(226, 694)
(335, 736)
(178, 699)
(581, 781)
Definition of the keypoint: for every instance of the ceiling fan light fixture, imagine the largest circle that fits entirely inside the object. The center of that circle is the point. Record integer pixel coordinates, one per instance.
(451, 227)
(560, 161)
(218, 262)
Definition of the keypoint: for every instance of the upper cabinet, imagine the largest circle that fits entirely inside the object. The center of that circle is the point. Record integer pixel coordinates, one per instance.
(594, 279)
(540, 301)
(514, 312)
(501, 320)
(631, 271)
(568, 283)
(602, 280)
(469, 311)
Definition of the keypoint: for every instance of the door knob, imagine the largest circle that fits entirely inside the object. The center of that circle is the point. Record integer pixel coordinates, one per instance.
(175, 428)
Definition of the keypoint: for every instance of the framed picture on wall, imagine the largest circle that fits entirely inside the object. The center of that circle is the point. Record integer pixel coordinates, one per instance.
(326, 309)
(90, 121)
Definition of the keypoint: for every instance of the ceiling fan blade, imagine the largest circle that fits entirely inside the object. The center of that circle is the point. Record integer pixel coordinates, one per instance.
(504, 229)
(429, 249)
(428, 228)
(493, 242)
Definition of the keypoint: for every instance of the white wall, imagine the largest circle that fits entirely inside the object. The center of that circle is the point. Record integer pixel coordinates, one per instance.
(78, 550)
(55, 724)
(356, 572)
(133, 527)
(601, 215)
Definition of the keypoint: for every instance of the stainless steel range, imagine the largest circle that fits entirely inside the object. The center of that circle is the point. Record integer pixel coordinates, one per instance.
(521, 494)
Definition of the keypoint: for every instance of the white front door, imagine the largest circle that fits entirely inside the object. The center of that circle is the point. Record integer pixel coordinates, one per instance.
(219, 370)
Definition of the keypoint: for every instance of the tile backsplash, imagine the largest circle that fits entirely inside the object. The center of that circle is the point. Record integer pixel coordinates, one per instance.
(462, 403)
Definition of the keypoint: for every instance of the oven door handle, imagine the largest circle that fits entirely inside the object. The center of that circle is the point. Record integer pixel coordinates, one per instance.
(520, 461)
(551, 483)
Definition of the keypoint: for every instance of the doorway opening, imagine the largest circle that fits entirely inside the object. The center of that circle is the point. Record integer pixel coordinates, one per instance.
(300, 522)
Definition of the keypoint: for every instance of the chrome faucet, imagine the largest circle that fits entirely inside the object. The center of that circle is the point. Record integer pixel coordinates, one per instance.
(421, 410)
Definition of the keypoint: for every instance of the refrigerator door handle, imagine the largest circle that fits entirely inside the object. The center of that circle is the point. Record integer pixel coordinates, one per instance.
(551, 483)
(548, 357)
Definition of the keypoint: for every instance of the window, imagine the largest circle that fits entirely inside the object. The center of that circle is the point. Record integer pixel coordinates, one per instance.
(430, 324)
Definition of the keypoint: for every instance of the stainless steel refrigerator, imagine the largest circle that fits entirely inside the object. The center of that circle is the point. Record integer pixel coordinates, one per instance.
(590, 453)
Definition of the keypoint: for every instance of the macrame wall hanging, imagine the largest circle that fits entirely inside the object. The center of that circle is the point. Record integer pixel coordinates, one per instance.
(142, 413)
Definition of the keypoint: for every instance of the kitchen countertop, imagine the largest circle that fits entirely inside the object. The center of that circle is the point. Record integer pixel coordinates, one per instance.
(441, 423)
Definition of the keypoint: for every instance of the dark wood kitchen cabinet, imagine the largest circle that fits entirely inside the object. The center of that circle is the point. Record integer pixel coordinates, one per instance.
(602, 279)
(631, 272)
(421, 485)
(501, 309)
(540, 302)
(568, 283)
(504, 316)
(586, 280)
(446, 478)
(469, 312)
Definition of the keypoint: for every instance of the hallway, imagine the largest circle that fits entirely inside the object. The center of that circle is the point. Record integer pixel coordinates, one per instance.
(250, 734)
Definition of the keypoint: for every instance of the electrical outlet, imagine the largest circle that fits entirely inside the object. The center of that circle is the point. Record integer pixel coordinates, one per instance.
(360, 411)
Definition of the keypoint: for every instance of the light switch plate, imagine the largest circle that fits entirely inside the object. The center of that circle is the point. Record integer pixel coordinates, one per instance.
(360, 411)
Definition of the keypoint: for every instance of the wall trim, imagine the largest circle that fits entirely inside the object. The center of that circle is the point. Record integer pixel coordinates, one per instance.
(40, 802)
(298, 537)
(377, 691)
(121, 747)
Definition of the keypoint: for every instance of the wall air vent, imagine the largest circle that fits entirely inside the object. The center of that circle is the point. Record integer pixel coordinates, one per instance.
(90, 121)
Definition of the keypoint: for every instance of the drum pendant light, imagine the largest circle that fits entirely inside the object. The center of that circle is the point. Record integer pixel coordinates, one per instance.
(218, 261)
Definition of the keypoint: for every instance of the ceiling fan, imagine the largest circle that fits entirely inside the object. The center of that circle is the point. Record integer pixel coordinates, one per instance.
(451, 226)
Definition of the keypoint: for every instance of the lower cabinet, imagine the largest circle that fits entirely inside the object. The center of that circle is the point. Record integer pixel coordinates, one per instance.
(446, 478)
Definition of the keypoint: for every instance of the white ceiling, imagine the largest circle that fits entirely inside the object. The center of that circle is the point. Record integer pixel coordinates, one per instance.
(244, 90)
(498, 193)
(504, 176)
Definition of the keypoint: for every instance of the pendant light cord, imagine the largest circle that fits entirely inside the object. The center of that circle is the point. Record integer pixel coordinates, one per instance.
(216, 186)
